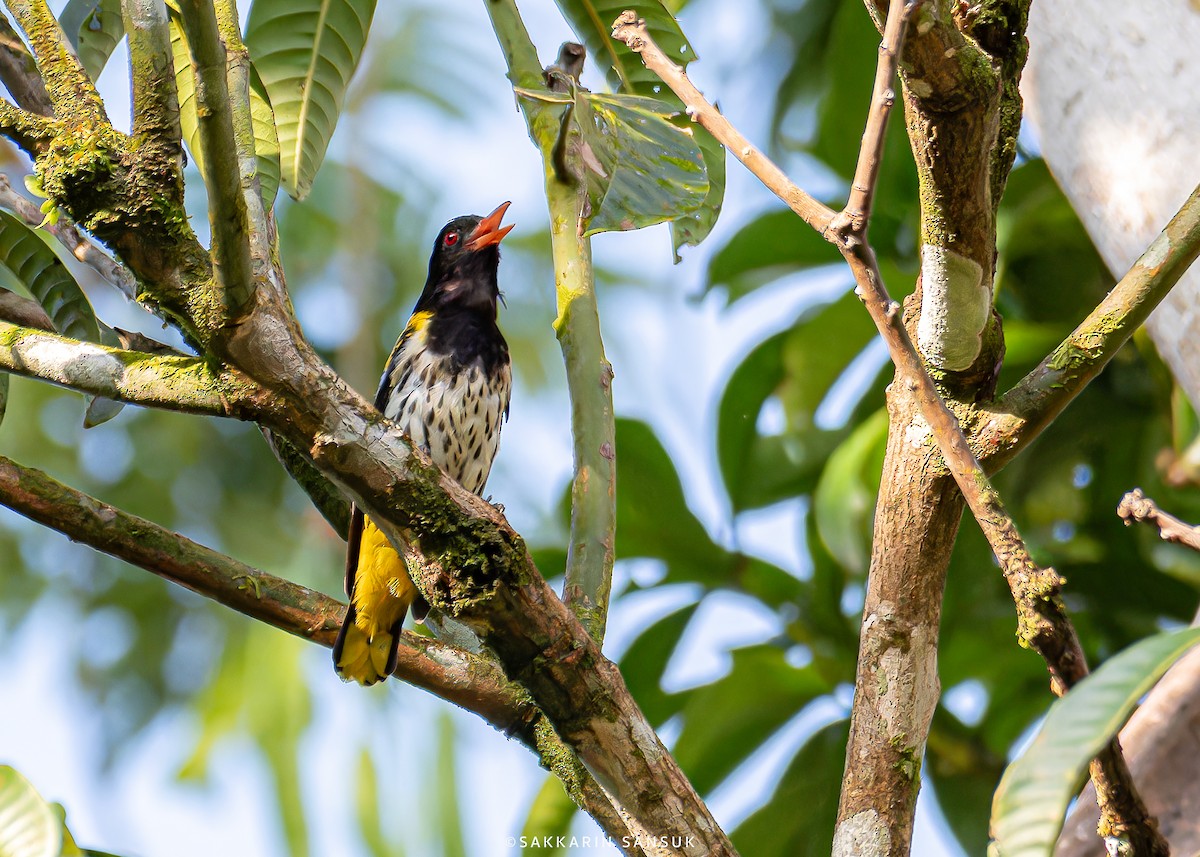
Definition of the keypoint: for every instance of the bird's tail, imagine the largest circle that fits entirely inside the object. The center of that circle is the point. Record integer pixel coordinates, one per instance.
(365, 659)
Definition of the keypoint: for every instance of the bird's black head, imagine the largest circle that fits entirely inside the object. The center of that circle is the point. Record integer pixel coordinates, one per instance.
(462, 269)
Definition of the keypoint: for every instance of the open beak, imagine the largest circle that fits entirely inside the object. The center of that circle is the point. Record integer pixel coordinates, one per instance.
(488, 231)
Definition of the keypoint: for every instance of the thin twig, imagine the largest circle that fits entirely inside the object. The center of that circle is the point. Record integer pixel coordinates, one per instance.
(70, 237)
(1136, 506)
(1042, 621)
(633, 32)
(226, 205)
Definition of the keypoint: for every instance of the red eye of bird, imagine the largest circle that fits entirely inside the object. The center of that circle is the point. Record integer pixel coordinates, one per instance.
(451, 239)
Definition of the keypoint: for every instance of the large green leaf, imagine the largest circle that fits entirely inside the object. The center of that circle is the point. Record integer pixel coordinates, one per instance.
(641, 168)
(366, 807)
(774, 243)
(305, 52)
(94, 28)
(37, 268)
(724, 722)
(592, 20)
(799, 818)
(266, 141)
(844, 502)
(28, 825)
(1028, 809)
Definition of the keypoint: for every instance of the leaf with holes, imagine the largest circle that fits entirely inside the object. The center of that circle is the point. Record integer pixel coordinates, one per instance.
(305, 52)
(641, 168)
(266, 141)
(38, 269)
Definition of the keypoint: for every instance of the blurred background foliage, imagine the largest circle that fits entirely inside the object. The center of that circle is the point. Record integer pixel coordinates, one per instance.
(762, 580)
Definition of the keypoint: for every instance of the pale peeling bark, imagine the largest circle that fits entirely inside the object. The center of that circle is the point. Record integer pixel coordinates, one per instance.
(1121, 136)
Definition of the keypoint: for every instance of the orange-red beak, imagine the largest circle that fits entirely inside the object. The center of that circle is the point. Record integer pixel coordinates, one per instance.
(488, 231)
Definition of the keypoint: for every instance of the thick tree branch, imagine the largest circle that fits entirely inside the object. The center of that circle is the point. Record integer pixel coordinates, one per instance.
(18, 73)
(71, 91)
(1042, 621)
(69, 236)
(155, 101)
(475, 683)
(1033, 403)
(185, 384)
(28, 130)
(226, 205)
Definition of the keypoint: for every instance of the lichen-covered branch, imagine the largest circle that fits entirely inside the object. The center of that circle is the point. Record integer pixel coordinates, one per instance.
(1023, 412)
(186, 384)
(226, 205)
(155, 101)
(589, 374)
(69, 236)
(18, 73)
(28, 130)
(70, 89)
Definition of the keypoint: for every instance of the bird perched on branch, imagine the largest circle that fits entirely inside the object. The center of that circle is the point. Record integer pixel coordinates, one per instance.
(447, 386)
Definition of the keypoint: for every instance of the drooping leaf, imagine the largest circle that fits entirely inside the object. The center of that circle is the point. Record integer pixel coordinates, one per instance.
(799, 818)
(844, 502)
(94, 28)
(641, 168)
(28, 825)
(720, 728)
(305, 53)
(266, 141)
(550, 816)
(1028, 809)
(592, 21)
(38, 269)
(776, 242)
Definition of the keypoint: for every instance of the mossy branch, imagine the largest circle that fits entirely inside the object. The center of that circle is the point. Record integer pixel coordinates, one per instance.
(18, 73)
(155, 101)
(227, 212)
(185, 384)
(70, 89)
(590, 553)
(1024, 411)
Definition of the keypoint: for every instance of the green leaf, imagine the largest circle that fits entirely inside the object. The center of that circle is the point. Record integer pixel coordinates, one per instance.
(28, 825)
(799, 818)
(844, 502)
(305, 52)
(641, 168)
(550, 816)
(1028, 809)
(775, 243)
(40, 270)
(592, 21)
(724, 722)
(366, 807)
(266, 141)
(646, 659)
(94, 28)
